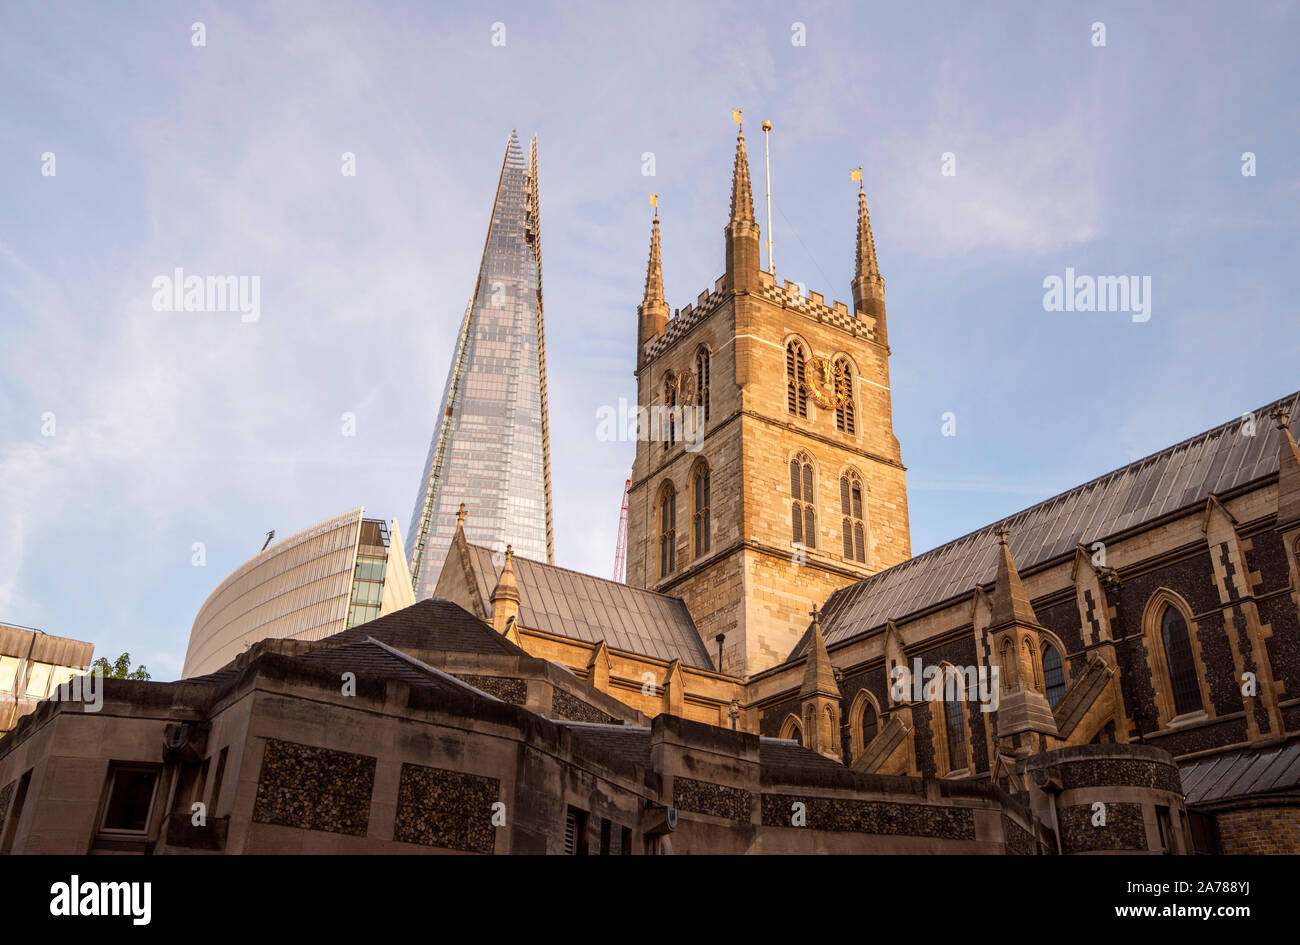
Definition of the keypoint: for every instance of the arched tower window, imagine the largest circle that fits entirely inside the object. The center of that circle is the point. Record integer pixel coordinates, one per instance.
(852, 517)
(1183, 681)
(700, 520)
(1053, 675)
(667, 530)
(845, 419)
(796, 395)
(803, 517)
(670, 401)
(702, 381)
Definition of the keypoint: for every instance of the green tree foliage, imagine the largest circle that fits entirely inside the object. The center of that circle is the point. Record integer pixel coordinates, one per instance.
(120, 668)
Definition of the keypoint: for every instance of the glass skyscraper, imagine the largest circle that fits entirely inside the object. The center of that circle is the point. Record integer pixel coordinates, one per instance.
(491, 445)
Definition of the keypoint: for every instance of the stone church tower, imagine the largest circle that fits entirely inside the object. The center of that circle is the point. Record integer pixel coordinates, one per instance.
(779, 480)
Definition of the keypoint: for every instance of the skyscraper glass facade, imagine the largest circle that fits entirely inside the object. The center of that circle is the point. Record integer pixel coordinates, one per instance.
(491, 446)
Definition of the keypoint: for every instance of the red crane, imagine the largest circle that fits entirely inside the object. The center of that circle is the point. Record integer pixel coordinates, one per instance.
(620, 548)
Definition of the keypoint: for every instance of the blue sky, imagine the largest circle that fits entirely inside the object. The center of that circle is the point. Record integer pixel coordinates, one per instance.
(173, 428)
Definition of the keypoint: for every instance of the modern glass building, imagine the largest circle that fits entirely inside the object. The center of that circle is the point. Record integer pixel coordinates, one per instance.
(345, 571)
(491, 446)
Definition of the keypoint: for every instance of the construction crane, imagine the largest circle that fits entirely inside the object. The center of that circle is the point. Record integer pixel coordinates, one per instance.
(620, 548)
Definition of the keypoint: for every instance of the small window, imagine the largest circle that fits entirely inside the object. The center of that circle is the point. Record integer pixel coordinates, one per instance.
(1178, 656)
(625, 842)
(8, 673)
(605, 836)
(575, 832)
(1053, 675)
(38, 680)
(130, 800)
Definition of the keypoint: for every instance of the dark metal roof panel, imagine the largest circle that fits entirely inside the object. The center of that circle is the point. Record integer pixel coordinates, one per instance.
(1179, 476)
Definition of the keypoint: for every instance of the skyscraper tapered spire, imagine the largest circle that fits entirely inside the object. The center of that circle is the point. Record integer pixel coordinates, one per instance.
(494, 404)
(742, 195)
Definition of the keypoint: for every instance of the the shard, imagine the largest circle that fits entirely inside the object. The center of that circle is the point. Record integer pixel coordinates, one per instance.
(491, 442)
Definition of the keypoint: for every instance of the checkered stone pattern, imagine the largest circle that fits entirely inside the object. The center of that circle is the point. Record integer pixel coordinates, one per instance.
(684, 321)
(814, 306)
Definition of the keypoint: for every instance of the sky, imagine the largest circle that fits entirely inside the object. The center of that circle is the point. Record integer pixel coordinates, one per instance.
(129, 434)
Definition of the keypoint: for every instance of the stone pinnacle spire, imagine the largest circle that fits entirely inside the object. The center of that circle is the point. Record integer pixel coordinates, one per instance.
(1010, 603)
(868, 286)
(654, 277)
(866, 261)
(652, 314)
(818, 674)
(742, 195)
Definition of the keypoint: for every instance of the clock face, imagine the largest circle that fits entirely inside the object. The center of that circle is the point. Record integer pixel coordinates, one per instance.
(825, 382)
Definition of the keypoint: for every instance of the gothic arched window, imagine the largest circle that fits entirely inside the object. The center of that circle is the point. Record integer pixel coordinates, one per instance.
(1178, 658)
(845, 420)
(670, 401)
(803, 517)
(955, 722)
(1053, 675)
(667, 530)
(796, 395)
(701, 517)
(870, 724)
(702, 381)
(852, 517)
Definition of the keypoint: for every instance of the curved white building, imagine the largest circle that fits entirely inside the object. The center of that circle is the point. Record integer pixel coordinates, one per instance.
(345, 571)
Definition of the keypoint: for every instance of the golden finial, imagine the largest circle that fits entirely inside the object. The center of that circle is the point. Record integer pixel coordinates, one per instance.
(735, 116)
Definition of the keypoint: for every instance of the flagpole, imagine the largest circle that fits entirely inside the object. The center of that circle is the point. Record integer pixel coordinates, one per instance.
(767, 159)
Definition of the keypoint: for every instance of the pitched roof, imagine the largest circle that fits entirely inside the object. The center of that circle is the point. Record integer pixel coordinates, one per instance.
(1238, 773)
(431, 624)
(587, 608)
(1177, 477)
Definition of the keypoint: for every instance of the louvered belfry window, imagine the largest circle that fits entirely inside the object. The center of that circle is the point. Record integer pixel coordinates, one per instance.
(796, 394)
(803, 517)
(702, 381)
(845, 420)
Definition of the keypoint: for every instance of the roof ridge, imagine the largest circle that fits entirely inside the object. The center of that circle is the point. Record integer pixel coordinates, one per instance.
(1260, 412)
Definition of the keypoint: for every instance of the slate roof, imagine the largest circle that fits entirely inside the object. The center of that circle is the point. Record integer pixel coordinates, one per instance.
(1246, 771)
(587, 608)
(431, 624)
(1177, 477)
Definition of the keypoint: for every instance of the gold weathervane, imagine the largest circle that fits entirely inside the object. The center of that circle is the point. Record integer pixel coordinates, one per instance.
(654, 201)
(735, 115)
(856, 174)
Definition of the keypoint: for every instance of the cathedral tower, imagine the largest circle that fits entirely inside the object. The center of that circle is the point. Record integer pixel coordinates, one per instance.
(769, 474)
